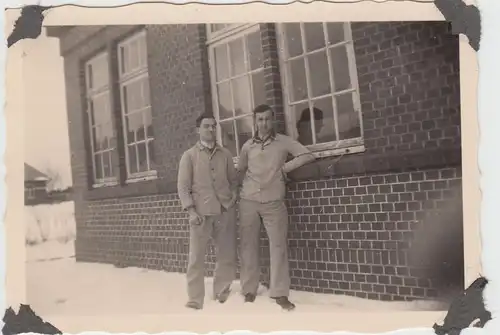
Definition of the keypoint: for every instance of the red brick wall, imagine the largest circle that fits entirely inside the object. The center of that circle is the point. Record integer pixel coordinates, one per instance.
(351, 219)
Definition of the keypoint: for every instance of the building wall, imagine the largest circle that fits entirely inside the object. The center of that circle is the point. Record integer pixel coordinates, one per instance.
(34, 191)
(352, 218)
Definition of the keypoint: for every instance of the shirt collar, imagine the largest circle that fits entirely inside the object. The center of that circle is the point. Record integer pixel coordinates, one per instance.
(204, 146)
(270, 137)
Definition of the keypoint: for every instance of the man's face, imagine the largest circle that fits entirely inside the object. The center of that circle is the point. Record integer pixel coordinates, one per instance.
(264, 122)
(207, 130)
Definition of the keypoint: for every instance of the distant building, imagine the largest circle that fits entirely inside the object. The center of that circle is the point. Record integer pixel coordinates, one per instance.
(35, 185)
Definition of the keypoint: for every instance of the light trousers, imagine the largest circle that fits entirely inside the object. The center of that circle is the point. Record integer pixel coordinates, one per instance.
(222, 229)
(274, 216)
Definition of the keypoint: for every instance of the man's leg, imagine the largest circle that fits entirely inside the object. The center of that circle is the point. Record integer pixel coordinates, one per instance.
(275, 218)
(249, 248)
(224, 234)
(198, 239)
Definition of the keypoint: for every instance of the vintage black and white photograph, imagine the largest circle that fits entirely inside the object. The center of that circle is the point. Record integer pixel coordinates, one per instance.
(255, 167)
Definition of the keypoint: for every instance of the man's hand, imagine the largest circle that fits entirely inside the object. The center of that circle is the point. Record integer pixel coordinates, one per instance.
(194, 217)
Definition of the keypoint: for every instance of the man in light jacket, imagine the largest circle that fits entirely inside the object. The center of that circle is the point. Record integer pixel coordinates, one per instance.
(262, 166)
(207, 187)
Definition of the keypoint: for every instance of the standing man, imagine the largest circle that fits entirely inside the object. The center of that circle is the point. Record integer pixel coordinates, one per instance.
(263, 165)
(207, 187)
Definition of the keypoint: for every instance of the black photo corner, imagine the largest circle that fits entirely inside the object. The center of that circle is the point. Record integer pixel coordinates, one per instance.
(465, 309)
(26, 321)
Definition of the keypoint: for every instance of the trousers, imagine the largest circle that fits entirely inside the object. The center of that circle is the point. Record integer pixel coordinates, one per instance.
(274, 216)
(222, 229)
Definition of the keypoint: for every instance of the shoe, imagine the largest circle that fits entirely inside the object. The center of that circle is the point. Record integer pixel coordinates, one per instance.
(284, 303)
(222, 296)
(249, 297)
(193, 305)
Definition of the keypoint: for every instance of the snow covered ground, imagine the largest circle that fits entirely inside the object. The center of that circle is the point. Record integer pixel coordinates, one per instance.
(57, 285)
(50, 222)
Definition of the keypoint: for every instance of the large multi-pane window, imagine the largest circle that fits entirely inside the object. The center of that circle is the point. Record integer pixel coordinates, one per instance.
(320, 84)
(136, 107)
(102, 135)
(237, 76)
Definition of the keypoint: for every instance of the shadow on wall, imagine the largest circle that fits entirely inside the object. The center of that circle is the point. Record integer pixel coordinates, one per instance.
(437, 248)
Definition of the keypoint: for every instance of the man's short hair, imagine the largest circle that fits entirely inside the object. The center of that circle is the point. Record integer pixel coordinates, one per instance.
(261, 109)
(203, 116)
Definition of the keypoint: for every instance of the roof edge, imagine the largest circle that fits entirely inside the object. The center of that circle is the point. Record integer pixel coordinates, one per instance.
(57, 31)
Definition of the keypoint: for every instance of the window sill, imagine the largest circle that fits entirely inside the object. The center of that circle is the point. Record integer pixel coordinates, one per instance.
(109, 183)
(355, 146)
(152, 175)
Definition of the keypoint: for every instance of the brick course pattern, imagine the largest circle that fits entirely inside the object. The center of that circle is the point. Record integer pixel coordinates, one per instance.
(346, 235)
(349, 233)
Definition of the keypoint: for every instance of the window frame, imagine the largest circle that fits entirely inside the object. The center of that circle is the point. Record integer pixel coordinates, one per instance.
(125, 79)
(90, 94)
(31, 193)
(215, 39)
(332, 148)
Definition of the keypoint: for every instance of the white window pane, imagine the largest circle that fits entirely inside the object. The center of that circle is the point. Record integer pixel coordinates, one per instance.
(224, 98)
(97, 73)
(228, 136)
(340, 64)
(244, 127)
(146, 95)
(241, 95)
(303, 124)
(108, 135)
(123, 58)
(318, 74)
(349, 125)
(106, 161)
(315, 37)
(134, 124)
(151, 153)
(90, 77)
(132, 158)
(335, 32)
(254, 47)
(221, 62)
(143, 54)
(298, 80)
(293, 39)
(98, 166)
(141, 132)
(143, 161)
(101, 109)
(95, 139)
(102, 141)
(237, 57)
(133, 55)
(259, 93)
(133, 96)
(324, 120)
(148, 122)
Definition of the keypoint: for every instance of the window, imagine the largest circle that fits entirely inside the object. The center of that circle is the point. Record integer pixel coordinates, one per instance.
(103, 142)
(31, 193)
(237, 77)
(136, 108)
(320, 83)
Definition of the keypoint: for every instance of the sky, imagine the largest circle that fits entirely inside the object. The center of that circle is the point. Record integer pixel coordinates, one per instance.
(46, 132)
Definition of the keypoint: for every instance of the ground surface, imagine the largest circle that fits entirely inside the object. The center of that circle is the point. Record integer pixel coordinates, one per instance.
(57, 285)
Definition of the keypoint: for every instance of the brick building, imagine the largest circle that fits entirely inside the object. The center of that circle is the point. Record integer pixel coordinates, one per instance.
(389, 146)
